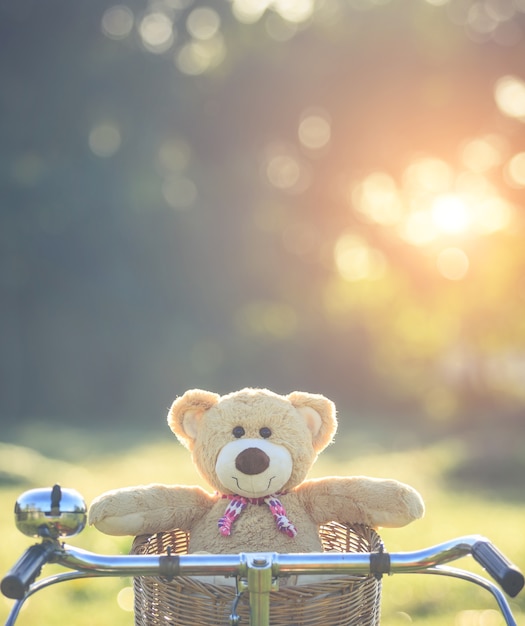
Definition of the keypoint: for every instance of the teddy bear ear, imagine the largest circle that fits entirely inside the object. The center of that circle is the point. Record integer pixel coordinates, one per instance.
(186, 412)
(319, 414)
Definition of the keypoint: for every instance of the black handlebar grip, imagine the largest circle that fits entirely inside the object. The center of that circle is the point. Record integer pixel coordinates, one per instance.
(499, 567)
(16, 582)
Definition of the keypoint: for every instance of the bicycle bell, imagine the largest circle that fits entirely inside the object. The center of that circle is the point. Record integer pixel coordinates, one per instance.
(50, 512)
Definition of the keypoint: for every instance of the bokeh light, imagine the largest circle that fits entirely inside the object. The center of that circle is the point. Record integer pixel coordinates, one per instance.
(377, 199)
(105, 139)
(179, 192)
(203, 23)
(515, 170)
(418, 228)
(355, 260)
(487, 20)
(427, 175)
(371, 150)
(126, 598)
(314, 130)
(284, 169)
(157, 32)
(117, 22)
(200, 56)
(295, 11)
(249, 11)
(433, 201)
(483, 153)
(509, 93)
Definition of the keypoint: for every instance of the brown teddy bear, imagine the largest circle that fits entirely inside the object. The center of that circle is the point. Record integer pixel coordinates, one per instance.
(255, 448)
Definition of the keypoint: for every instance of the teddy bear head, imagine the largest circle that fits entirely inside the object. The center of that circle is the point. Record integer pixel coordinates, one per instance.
(253, 442)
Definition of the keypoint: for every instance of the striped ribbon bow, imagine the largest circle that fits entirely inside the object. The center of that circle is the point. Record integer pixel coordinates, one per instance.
(238, 503)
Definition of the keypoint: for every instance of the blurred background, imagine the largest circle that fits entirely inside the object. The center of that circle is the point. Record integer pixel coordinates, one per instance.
(324, 195)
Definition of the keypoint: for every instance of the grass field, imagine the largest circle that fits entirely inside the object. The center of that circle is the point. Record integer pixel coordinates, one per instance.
(451, 511)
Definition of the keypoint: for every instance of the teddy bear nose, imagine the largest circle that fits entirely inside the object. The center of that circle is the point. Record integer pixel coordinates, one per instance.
(252, 461)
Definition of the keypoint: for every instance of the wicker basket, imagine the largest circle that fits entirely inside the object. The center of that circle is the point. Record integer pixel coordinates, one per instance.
(344, 601)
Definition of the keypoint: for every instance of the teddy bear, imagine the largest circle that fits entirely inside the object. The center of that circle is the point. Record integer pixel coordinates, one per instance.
(254, 448)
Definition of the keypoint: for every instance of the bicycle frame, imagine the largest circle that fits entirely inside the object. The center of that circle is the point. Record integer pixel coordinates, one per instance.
(258, 573)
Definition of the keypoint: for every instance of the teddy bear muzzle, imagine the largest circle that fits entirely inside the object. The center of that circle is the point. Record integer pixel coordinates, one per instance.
(253, 467)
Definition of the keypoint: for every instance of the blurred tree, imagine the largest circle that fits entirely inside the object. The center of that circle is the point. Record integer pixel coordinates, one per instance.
(288, 194)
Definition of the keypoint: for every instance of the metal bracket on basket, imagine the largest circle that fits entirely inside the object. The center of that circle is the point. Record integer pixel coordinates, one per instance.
(380, 563)
(235, 618)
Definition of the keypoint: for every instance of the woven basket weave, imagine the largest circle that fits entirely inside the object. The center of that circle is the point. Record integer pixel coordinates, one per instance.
(344, 601)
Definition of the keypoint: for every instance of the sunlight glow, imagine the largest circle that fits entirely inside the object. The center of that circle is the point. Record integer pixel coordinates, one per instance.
(493, 214)
(418, 228)
(450, 214)
(432, 207)
(509, 93)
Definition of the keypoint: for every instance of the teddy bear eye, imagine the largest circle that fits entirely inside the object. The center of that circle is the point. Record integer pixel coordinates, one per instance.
(265, 432)
(238, 432)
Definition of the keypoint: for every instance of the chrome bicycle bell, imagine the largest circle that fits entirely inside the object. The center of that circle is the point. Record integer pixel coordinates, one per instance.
(50, 512)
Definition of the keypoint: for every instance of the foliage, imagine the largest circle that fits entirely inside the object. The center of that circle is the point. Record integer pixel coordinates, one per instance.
(315, 195)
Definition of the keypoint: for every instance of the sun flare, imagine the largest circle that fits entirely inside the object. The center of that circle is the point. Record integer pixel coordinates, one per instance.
(450, 214)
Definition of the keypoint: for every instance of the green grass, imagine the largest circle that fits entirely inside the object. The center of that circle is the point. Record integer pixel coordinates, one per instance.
(410, 599)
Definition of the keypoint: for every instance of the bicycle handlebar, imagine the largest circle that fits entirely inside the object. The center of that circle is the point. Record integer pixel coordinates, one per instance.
(505, 573)
(17, 581)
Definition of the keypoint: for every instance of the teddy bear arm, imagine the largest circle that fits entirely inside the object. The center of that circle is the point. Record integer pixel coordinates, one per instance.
(361, 500)
(148, 509)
